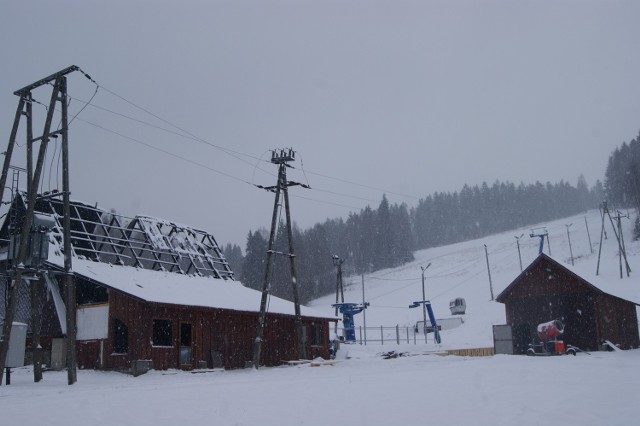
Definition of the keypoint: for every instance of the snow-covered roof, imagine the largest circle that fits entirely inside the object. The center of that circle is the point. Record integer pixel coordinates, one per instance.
(626, 289)
(152, 259)
(179, 289)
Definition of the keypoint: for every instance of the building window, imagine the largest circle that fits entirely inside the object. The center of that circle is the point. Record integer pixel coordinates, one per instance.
(120, 337)
(162, 333)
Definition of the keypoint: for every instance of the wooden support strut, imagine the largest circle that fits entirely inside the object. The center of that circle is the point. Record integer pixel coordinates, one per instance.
(26, 227)
(59, 94)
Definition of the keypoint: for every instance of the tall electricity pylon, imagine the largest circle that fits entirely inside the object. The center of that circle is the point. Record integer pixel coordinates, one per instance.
(58, 95)
(281, 158)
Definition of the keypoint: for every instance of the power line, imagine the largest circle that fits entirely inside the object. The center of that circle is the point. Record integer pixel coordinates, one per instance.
(233, 153)
(326, 202)
(145, 144)
(155, 148)
(225, 150)
(387, 191)
(189, 135)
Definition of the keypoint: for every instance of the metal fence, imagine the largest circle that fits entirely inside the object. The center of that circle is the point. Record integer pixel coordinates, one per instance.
(395, 335)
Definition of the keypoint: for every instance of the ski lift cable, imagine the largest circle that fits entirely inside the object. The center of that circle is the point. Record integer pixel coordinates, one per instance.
(394, 279)
(458, 284)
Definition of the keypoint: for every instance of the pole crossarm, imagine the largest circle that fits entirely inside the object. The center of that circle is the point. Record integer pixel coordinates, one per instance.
(286, 185)
(281, 253)
(25, 90)
(53, 134)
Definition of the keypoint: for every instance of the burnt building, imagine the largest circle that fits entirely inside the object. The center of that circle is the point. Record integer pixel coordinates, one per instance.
(593, 309)
(155, 291)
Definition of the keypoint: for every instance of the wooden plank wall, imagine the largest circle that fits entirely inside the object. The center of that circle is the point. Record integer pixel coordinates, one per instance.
(472, 352)
(231, 333)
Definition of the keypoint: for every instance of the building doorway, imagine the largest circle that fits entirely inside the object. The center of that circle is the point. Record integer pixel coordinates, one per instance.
(185, 344)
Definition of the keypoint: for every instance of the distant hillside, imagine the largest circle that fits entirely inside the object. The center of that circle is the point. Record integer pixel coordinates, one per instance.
(386, 237)
(460, 270)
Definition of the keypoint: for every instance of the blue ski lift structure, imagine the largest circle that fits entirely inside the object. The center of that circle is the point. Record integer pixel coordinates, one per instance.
(541, 233)
(432, 318)
(348, 310)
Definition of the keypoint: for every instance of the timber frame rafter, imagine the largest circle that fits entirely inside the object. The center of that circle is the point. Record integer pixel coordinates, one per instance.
(142, 241)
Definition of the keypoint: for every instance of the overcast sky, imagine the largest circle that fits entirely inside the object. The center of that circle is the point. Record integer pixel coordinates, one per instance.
(398, 97)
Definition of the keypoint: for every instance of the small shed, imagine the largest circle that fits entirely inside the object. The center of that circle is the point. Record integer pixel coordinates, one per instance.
(592, 308)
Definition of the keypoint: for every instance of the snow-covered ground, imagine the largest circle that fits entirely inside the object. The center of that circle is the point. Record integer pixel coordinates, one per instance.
(598, 389)
(362, 388)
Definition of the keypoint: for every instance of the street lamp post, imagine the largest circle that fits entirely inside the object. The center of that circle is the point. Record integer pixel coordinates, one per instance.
(569, 238)
(519, 256)
(424, 304)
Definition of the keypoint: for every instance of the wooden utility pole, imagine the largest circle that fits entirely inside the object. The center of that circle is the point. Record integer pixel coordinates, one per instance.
(617, 231)
(69, 284)
(486, 253)
(569, 238)
(519, 255)
(281, 158)
(364, 312)
(424, 304)
(588, 235)
(59, 94)
(337, 262)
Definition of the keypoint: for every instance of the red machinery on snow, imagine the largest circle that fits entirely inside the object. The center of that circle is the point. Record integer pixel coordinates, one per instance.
(549, 344)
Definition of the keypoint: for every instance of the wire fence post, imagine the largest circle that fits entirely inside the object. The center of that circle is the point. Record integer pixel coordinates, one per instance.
(381, 336)
(398, 334)
(360, 330)
(407, 335)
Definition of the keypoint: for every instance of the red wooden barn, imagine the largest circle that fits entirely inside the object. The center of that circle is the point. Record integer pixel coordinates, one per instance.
(151, 289)
(592, 309)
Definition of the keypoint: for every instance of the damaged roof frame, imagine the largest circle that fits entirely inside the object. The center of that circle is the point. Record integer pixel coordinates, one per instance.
(143, 242)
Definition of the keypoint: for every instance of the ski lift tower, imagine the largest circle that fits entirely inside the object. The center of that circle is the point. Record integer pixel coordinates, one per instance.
(348, 310)
(432, 318)
(541, 233)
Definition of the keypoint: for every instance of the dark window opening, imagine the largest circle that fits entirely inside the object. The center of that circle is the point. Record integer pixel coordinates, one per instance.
(162, 333)
(316, 334)
(90, 294)
(185, 334)
(185, 343)
(120, 337)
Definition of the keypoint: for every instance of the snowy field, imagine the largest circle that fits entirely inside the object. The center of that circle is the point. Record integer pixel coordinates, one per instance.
(598, 389)
(363, 388)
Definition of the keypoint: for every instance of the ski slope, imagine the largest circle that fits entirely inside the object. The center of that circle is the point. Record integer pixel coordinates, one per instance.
(460, 270)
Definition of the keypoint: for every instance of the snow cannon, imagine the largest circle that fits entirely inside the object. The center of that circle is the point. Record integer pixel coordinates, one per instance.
(550, 330)
(549, 344)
